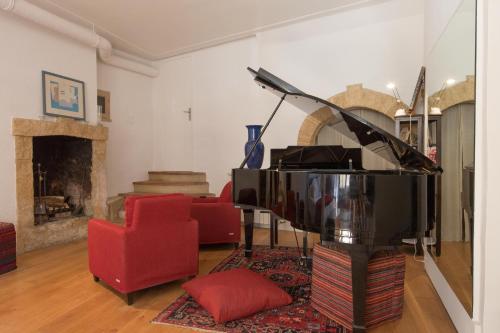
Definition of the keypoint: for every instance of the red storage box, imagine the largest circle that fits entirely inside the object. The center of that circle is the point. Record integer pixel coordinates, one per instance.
(7, 247)
(331, 293)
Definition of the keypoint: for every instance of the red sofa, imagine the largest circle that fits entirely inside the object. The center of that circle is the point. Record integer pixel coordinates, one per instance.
(158, 244)
(219, 221)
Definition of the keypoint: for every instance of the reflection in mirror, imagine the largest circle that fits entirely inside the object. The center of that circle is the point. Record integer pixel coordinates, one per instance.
(450, 87)
(371, 161)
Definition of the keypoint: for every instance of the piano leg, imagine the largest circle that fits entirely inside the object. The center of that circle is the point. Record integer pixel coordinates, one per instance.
(276, 222)
(305, 244)
(471, 235)
(272, 221)
(420, 246)
(248, 217)
(359, 271)
(438, 237)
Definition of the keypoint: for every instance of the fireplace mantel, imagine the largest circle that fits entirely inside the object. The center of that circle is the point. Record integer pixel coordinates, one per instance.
(61, 126)
(31, 237)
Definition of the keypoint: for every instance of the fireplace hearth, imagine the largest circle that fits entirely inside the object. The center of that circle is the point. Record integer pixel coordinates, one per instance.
(62, 185)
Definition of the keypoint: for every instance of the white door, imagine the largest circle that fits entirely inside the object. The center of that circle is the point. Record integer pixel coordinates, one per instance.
(174, 114)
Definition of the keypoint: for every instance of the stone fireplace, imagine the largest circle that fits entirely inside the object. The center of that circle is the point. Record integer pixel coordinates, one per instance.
(55, 145)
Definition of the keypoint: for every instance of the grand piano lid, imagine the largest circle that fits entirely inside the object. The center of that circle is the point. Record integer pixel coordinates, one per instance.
(352, 126)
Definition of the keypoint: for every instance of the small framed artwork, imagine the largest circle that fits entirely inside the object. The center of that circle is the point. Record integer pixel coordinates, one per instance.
(103, 105)
(63, 96)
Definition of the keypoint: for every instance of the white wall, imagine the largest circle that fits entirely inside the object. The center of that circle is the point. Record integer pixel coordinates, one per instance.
(222, 99)
(453, 56)
(26, 51)
(487, 170)
(130, 144)
(437, 16)
(225, 100)
(372, 45)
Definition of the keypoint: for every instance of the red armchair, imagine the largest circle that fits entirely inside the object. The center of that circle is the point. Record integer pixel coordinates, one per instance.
(219, 221)
(159, 245)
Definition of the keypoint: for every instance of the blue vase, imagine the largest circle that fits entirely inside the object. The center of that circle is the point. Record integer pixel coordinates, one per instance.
(255, 160)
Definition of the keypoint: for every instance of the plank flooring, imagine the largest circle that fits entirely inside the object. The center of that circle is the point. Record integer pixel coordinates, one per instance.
(52, 291)
(455, 264)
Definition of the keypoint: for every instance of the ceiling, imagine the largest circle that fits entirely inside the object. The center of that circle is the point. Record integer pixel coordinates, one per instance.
(157, 29)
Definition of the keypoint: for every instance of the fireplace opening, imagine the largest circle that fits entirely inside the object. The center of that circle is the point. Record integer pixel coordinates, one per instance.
(61, 177)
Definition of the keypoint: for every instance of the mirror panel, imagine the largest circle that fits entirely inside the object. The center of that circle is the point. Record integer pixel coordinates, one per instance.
(450, 86)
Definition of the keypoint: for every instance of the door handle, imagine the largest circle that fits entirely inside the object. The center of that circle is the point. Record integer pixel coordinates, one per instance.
(188, 111)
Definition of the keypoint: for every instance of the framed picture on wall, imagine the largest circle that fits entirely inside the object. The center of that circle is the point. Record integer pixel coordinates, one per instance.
(63, 96)
(104, 105)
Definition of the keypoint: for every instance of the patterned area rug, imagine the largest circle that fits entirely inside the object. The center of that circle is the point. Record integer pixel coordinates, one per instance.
(280, 265)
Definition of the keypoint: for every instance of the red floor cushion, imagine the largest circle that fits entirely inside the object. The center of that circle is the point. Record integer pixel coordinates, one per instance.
(235, 294)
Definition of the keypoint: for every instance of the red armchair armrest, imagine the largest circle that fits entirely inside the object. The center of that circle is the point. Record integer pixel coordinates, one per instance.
(218, 222)
(106, 249)
(205, 200)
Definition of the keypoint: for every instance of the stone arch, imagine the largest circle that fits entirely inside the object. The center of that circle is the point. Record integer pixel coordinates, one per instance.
(355, 97)
(461, 92)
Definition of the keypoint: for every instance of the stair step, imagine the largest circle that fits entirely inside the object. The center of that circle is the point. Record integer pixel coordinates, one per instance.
(150, 193)
(158, 186)
(178, 172)
(178, 176)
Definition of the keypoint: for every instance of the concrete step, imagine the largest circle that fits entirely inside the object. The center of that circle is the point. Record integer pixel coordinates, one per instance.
(158, 186)
(177, 176)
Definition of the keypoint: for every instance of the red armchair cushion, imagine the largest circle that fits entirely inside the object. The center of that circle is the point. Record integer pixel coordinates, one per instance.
(236, 294)
(130, 204)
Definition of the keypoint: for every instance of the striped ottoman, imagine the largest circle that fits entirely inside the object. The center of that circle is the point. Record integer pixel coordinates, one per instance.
(7, 247)
(331, 293)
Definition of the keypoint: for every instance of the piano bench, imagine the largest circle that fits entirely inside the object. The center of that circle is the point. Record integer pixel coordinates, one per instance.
(7, 247)
(331, 293)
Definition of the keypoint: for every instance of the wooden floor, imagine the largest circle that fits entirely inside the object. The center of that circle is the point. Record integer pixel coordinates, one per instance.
(52, 291)
(455, 264)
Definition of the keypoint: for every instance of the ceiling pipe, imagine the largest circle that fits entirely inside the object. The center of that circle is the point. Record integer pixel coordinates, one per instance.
(88, 37)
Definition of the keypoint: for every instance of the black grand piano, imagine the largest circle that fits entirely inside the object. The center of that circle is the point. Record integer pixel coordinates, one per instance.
(325, 189)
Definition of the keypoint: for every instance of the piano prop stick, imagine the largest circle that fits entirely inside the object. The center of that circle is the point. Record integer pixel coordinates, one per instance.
(245, 160)
(248, 214)
(326, 190)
